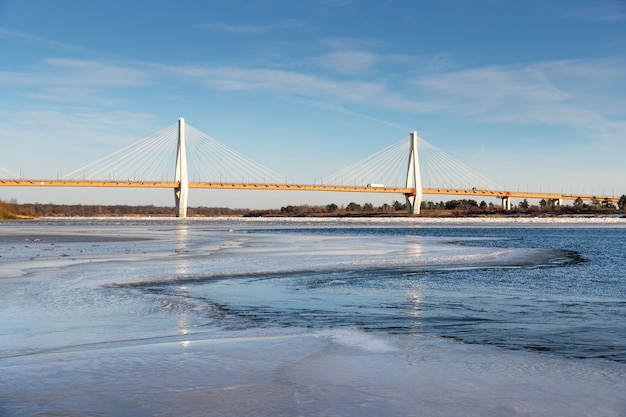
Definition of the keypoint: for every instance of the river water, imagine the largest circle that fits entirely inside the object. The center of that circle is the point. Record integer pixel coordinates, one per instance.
(306, 317)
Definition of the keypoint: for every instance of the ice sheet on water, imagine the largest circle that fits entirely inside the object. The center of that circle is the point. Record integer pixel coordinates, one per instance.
(358, 339)
(342, 372)
(240, 254)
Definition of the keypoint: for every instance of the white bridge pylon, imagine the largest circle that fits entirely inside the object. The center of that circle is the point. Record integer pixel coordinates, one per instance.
(181, 175)
(413, 177)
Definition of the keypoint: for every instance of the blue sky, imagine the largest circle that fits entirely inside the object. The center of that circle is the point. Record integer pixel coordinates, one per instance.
(531, 94)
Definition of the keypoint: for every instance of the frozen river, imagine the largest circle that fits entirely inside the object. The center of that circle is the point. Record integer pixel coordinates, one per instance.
(336, 317)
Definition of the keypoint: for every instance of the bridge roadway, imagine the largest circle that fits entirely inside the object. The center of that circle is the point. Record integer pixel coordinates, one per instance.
(304, 187)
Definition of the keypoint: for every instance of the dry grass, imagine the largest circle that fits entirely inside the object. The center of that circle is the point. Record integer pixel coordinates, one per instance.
(13, 211)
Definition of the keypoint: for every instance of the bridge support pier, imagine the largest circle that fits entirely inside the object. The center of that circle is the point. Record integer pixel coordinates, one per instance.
(181, 192)
(413, 178)
(506, 203)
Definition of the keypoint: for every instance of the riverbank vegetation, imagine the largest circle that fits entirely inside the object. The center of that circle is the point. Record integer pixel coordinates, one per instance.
(451, 208)
(12, 211)
(458, 208)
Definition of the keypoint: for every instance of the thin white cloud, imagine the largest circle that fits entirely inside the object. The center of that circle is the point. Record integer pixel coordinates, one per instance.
(249, 29)
(355, 57)
(577, 94)
(74, 81)
(94, 73)
(343, 110)
(571, 93)
(74, 72)
(347, 43)
(348, 62)
(488, 87)
(280, 81)
(372, 93)
(612, 11)
(32, 39)
(81, 127)
(574, 93)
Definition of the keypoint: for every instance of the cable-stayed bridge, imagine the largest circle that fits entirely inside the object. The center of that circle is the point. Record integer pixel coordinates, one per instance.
(181, 157)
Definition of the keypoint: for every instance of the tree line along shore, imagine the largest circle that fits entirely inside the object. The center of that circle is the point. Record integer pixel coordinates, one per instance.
(11, 210)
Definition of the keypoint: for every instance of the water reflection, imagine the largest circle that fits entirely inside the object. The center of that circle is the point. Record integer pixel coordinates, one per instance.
(414, 249)
(181, 248)
(414, 301)
(182, 323)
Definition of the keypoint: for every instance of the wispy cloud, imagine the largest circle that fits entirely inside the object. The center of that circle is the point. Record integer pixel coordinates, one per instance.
(74, 80)
(97, 73)
(249, 29)
(278, 81)
(573, 93)
(32, 39)
(352, 56)
(83, 127)
(348, 62)
(343, 110)
(579, 94)
(607, 12)
(567, 93)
